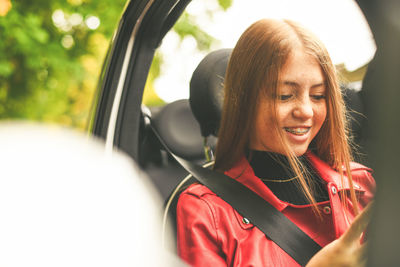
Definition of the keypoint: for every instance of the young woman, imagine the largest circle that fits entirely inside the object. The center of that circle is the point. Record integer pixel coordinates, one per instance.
(283, 134)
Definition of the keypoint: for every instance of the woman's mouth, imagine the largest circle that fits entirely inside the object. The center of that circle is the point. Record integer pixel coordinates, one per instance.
(297, 130)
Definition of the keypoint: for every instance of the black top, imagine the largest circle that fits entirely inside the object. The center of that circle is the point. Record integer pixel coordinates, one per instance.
(275, 171)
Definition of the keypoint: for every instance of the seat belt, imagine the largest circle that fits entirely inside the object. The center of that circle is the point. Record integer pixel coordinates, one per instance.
(276, 226)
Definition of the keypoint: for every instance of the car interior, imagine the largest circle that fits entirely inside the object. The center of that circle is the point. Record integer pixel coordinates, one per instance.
(118, 109)
(188, 129)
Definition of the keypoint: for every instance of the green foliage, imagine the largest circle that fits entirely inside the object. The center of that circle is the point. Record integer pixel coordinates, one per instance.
(49, 69)
(50, 58)
(150, 97)
(186, 26)
(225, 4)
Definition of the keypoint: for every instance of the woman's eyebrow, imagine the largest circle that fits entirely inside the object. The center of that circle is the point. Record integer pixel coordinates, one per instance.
(295, 84)
(290, 83)
(321, 84)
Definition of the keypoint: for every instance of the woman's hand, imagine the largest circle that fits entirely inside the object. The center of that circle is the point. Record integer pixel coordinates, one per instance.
(347, 250)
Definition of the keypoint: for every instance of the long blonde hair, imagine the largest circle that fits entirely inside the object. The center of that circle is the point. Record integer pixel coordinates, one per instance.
(254, 67)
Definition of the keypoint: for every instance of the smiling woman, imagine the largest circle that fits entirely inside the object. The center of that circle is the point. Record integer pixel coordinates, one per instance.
(300, 109)
(283, 135)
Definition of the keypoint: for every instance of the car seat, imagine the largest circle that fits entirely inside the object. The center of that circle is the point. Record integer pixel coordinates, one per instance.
(188, 127)
(180, 132)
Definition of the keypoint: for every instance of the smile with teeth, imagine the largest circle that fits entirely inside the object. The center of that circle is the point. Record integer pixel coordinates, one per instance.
(298, 131)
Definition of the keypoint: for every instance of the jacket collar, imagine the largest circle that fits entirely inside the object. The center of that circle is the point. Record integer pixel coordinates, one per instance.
(331, 175)
(327, 173)
(243, 173)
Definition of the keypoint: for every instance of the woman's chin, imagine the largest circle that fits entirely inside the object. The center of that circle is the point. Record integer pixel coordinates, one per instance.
(299, 150)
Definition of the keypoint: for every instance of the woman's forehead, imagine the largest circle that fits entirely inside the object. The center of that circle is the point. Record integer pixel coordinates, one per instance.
(300, 68)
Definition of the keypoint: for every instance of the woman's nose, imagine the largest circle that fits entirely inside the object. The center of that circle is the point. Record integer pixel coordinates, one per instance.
(303, 108)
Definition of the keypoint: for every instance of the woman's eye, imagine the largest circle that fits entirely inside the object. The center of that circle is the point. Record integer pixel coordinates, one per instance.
(318, 97)
(284, 97)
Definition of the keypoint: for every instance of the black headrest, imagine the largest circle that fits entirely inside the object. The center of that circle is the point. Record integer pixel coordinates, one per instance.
(206, 93)
(179, 130)
(355, 109)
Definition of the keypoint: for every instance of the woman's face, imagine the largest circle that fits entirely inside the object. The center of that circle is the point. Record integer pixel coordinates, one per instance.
(300, 107)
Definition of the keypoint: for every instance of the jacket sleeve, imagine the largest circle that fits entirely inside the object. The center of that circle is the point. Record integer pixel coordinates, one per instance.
(197, 236)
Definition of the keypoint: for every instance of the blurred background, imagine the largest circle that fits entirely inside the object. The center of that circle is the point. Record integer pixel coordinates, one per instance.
(52, 51)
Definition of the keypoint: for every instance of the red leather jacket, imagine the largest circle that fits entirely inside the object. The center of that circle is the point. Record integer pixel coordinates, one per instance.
(211, 233)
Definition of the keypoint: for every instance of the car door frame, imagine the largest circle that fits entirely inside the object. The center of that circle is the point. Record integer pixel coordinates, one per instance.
(117, 104)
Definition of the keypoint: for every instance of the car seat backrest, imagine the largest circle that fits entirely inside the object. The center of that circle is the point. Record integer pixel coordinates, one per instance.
(183, 127)
(355, 110)
(179, 129)
(206, 91)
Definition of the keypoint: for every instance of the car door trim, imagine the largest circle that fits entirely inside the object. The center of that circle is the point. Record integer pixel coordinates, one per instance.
(121, 82)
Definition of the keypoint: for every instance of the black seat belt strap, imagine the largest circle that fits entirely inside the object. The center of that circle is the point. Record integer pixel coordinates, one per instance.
(261, 213)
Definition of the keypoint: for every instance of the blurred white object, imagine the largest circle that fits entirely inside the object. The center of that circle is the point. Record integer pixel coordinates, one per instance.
(63, 202)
